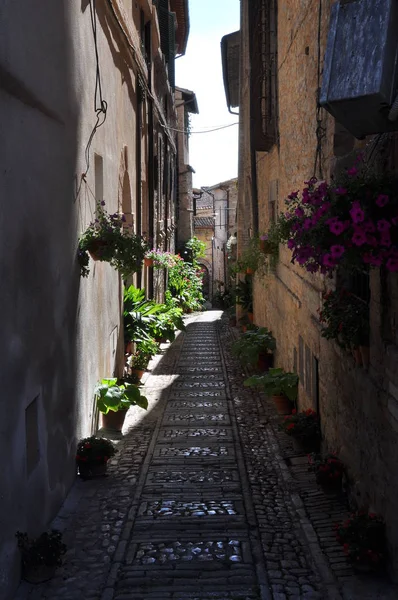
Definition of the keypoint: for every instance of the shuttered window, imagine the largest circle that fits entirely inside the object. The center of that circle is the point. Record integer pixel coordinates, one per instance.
(167, 26)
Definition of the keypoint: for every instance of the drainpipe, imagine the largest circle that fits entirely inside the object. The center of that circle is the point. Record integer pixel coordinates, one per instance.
(151, 189)
(138, 167)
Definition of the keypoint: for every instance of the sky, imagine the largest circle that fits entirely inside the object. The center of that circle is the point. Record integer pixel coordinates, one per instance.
(214, 156)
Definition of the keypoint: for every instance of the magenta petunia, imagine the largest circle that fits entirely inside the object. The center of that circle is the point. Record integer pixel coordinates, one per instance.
(307, 224)
(336, 227)
(392, 264)
(382, 200)
(359, 238)
(328, 261)
(337, 251)
(383, 225)
(356, 212)
(291, 244)
(299, 212)
(340, 191)
(352, 172)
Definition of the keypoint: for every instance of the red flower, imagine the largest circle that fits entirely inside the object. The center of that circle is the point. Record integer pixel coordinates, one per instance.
(294, 411)
(291, 426)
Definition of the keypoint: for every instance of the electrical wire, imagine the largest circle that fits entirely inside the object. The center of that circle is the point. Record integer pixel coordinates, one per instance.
(192, 132)
(100, 105)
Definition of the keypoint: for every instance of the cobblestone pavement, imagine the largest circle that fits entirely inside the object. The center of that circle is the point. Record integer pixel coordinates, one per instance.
(205, 500)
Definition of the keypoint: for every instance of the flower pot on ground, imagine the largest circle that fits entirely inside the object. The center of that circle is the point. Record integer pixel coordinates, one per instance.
(92, 456)
(253, 345)
(117, 397)
(40, 556)
(114, 420)
(304, 429)
(277, 383)
(148, 262)
(363, 538)
(328, 471)
(139, 373)
(282, 404)
(249, 271)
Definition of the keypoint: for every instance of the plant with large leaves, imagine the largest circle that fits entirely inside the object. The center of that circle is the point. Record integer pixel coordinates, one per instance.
(114, 396)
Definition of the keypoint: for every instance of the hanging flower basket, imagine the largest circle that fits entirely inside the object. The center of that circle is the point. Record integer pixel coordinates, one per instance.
(148, 262)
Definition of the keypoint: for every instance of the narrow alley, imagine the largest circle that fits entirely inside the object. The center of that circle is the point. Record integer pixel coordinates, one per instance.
(199, 502)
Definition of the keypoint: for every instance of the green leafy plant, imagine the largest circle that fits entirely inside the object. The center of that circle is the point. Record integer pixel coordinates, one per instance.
(47, 549)
(276, 382)
(363, 539)
(185, 286)
(111, 240)
(328, 469)
(112, 396)
(196, 247)
(303, 424)
(139, 315)
(94, 450)
(345, 318)
(244, 294)
(253, 343)
(138, 360)
(252, 257)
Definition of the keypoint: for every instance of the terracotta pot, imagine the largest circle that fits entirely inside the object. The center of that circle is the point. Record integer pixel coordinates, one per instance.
(88, 470)
(249, 271)
(38, 573)
(250, 316)
(128, 348)
(96, 249)
(138, 373)
(265, 362)
(357, 356)
(244, 328)
(365, 355)
(305, 444)
(114, 420)
(148, 262)
(282, 404)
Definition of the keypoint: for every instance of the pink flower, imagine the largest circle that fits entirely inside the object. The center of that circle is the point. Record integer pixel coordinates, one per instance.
(375, 261)
(383, 225)
(336, 227)
(293, 195)
(359, 237)
(382, 200)
(328, 261)
(307, 224)
(299, 212)
(356, 212)
(352, 172)
(340, 191)
(392, 264)
(337, 251)
(291, 244)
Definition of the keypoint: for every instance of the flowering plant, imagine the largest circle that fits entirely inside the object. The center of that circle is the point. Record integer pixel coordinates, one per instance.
(328, 469)
(46, 549)
(345, 318)
(161, 260)
(276, 382)
(362, 536)
(304, 424)
(95, 449)
(354, 223)
(111, 240)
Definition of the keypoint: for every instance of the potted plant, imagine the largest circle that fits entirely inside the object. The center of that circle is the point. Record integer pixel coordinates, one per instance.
(114, 399)
(109, 239)
(304, 429)
(345, 318)
(40, 556)
(92, 456)
(138, 362)
(363, 538)
(255, 348)
(160, 260)
(349, 223)
(282, 386)
(328, 471)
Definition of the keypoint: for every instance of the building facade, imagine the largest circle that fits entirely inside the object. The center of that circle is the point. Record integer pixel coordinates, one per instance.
(87, 116)
(285, 139)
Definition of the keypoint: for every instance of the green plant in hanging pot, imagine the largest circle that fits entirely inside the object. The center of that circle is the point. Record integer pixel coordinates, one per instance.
(40, 556)
(109, 239)
(92, 456)
(345, 319)
(114, 399)
(281, 385)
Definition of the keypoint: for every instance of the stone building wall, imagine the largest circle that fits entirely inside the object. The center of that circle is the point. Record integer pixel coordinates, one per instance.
(358, 408)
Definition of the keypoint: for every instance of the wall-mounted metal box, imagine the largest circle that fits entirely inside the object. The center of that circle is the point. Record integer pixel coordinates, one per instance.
(360, 69)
